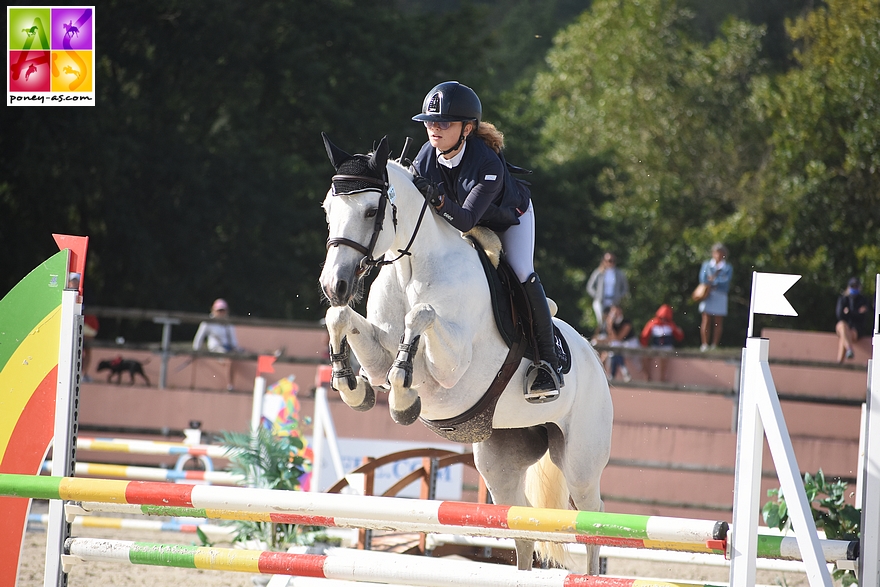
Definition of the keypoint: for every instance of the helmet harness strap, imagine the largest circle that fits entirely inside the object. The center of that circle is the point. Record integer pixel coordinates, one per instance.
(456, 145)
(461, 138)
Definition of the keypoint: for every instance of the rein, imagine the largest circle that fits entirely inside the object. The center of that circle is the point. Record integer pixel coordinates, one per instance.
(368, 262)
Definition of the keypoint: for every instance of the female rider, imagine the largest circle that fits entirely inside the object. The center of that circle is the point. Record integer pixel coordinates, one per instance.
(460, 170)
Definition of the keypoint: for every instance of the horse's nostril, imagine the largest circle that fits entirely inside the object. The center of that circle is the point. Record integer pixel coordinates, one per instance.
(342, 289)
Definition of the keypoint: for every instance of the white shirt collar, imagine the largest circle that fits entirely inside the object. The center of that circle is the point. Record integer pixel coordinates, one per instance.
(450, 163)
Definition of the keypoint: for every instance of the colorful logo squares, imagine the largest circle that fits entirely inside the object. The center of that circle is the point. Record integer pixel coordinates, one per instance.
(50, 50)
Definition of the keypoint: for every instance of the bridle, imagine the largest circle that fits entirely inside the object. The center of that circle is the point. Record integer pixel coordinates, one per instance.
(368, 262)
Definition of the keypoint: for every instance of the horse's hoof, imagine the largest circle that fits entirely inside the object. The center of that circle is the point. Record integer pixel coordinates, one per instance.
(409, 415)
(369, 399)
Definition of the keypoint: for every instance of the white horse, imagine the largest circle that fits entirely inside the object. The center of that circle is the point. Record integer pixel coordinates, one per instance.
(430, 338)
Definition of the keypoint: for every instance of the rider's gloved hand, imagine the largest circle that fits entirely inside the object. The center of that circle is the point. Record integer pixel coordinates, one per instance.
(429, 190)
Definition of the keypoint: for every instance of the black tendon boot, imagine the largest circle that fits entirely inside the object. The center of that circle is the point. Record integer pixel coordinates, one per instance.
(544, 377)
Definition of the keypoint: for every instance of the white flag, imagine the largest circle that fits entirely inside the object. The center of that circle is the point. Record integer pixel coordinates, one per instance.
(768, 295)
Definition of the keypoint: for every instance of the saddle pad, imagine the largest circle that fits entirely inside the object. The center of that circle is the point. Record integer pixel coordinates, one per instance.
(511, 310)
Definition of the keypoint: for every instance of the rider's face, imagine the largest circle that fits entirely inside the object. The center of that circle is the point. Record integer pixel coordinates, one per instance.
(446, 139)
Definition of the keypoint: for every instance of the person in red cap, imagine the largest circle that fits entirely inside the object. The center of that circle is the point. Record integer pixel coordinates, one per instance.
(218, 334)
(661, 333)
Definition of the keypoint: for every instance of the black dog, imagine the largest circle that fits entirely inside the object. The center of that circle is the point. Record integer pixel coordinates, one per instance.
(118, 366)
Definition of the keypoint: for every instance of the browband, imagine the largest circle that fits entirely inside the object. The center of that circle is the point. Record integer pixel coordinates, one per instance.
(363, 178)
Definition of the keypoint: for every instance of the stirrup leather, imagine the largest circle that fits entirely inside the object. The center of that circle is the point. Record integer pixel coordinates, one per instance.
(535, 396)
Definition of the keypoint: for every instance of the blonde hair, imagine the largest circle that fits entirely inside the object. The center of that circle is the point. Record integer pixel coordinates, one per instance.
(490, 135)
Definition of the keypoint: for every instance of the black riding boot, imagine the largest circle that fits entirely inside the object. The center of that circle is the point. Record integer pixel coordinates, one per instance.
(546, 369)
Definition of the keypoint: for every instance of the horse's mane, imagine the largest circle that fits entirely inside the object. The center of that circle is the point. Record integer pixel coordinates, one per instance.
(406, 169)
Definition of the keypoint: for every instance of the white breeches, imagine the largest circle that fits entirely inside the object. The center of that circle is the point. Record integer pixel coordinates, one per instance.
(519, 245)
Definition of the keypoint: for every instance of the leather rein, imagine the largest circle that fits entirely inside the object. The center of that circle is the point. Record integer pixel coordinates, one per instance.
(368, 262)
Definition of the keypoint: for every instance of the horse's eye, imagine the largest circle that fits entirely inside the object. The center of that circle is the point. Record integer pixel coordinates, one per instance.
(371, 213)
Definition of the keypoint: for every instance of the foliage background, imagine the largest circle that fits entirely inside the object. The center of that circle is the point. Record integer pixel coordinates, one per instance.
(655, 128)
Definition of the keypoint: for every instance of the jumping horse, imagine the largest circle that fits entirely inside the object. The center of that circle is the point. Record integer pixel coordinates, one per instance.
(430, 340)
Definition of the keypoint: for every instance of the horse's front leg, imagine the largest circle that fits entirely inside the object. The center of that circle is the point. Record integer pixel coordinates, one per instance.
(345, 326)
(445, 359)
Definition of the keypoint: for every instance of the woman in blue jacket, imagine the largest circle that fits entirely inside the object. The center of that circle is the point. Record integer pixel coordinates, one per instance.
(460, 170)
(717, 273)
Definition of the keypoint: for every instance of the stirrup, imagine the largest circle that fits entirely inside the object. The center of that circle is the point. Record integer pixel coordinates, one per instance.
(540, 396)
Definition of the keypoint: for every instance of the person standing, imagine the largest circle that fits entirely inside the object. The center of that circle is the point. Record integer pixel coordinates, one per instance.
(219, 335)
(607, 286)
(852, 313)
(716, 273)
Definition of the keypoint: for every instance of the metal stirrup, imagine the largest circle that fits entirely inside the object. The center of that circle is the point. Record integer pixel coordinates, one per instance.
(537, 397)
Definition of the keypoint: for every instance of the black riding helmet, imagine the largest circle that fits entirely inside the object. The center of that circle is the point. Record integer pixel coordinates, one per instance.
(451, 102)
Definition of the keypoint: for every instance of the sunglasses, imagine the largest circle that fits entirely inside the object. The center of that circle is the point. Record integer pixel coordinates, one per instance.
(434, 124)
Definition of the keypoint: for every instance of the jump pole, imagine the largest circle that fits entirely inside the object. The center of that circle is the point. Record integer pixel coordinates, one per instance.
(769, 546)
(151, 447)
(387, 568)
(352, 511)
(105, 470)
(325, 509)
(139, 524)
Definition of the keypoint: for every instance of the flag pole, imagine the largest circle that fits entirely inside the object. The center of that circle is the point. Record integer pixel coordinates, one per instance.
(752, 305)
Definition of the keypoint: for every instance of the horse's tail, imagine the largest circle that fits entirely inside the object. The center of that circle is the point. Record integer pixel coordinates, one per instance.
(546, 488)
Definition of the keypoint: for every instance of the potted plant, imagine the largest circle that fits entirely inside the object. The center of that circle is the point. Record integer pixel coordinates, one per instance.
(839, 520)
(266, 461)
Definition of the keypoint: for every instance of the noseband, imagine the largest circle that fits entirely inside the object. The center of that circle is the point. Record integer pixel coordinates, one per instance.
(368, 262)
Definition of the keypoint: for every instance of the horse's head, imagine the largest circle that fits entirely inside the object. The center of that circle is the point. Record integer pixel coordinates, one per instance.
(356, 208)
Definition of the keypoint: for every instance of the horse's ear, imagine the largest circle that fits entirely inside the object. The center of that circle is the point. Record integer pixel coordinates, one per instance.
(380, 155)
(337, 155)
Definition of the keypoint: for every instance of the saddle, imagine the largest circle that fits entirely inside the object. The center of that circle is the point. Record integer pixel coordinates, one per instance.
(513, 315)
(513, 320)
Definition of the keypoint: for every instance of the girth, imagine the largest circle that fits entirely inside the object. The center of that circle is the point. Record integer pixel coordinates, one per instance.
(475, 424)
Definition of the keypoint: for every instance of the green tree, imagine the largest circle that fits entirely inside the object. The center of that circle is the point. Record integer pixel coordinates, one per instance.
(200, 171)
(817, 209)
(628, 84)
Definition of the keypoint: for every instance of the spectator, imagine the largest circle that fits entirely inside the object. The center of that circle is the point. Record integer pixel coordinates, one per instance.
(620, 334)
(852, 318)
(660, 333)
(716, 273)
(219, 334)
(607, 286)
